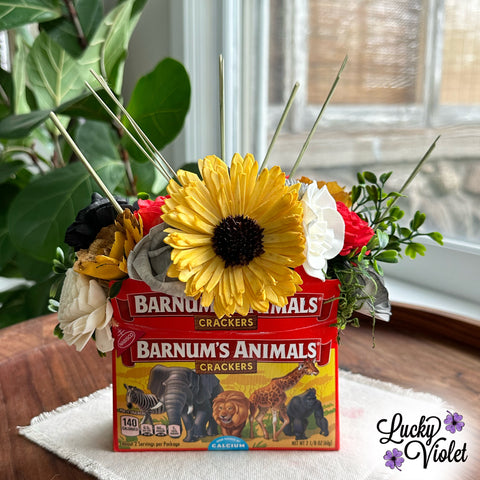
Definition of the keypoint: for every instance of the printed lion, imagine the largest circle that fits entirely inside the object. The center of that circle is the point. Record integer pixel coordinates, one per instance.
(230, 411)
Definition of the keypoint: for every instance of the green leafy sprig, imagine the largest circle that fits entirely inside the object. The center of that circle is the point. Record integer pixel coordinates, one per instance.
(392, 239)
(61, 263)
(371, 202)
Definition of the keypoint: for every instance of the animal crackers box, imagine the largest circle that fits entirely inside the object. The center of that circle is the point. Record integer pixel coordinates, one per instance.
(185, 379)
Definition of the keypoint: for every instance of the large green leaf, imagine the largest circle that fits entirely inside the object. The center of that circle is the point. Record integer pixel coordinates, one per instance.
(18, 126)
(13, 306)
(33, 269)
(53, 74)
(37, 298)
(87, 106)
(159, 103)
(9, 169)
(148, 179)
(108, 48)
(6, 93)
(23, 302)
(14, 13)
(137, 8)
(40, 214)
(63, 31)
(7, 193)
(19, 77)
(97, 139)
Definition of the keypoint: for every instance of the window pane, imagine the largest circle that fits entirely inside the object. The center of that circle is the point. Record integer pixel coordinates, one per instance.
(461, 53)
(384, 41)
(397, 93)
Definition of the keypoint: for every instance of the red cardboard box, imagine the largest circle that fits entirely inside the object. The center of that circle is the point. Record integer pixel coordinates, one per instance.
(187, 380)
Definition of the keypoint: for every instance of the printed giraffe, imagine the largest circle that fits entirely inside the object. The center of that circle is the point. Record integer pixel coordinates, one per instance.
(273, 397)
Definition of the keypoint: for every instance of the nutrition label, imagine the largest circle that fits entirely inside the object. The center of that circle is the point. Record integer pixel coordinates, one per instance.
(146, 430)
(129, 425)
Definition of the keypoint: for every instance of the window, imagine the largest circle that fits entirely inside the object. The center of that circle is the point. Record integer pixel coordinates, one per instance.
(412, 74)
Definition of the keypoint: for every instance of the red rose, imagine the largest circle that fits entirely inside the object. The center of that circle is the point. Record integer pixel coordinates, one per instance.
(357, 231)
(151, 212)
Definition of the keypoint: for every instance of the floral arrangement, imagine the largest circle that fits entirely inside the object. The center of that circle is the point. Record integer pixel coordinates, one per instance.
(235, 237)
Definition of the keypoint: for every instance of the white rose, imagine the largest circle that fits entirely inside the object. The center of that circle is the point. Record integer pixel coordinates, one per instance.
(324, 230)
(85, 309)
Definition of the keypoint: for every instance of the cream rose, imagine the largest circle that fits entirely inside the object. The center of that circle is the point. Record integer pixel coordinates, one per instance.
(324, 230)
(85, 309)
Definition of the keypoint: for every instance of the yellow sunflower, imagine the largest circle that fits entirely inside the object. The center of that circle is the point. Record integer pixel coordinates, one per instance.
(236, 236)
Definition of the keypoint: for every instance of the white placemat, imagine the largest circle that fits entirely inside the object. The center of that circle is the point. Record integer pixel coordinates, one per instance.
(81, 433)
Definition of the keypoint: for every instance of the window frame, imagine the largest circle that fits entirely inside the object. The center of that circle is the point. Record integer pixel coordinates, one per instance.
(235, 30)
(428, 114)
(448, 272)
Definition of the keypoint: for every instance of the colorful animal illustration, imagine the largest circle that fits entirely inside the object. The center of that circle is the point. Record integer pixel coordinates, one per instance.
(272, 397)
(299, 410)
(230, 411)
(146, 402)
(188, 396)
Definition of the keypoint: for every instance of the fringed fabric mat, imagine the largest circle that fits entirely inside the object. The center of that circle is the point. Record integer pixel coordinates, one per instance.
(81, 433)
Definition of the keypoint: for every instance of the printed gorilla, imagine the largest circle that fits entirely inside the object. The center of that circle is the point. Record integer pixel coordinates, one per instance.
(299, 410)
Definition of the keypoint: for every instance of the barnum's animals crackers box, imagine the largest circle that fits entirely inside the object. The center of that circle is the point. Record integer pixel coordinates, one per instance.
(187, 380)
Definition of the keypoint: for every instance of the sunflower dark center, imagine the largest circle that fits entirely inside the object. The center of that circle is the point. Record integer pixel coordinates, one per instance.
(238, 240)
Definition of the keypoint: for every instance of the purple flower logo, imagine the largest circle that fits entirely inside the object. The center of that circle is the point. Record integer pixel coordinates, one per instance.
(454, 422)
(394, 459)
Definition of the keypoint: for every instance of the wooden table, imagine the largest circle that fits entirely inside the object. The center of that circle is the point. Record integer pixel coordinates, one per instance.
(425, 351)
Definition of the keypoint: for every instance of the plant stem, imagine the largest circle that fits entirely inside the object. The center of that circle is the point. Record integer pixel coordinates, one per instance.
(156, 154)
(280, 124)
(4, 97)
(76, 23)
(85, 162)
(419, 166)
(30, 152)
(126, 164)
(324, 106)
(57, 158)
(412, 175)
(121, 128)
(221, 92)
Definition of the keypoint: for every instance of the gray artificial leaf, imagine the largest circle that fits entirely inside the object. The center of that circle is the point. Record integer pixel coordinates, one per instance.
(149, 262)
(374, 286)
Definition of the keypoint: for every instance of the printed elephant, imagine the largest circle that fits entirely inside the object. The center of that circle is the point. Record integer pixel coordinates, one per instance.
(299, 410)
(186, 396)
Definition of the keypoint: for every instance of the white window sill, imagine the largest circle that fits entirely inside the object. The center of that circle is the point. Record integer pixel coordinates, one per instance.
(407, 293)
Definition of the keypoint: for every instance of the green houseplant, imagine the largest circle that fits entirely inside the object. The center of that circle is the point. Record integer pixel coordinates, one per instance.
(42, 184)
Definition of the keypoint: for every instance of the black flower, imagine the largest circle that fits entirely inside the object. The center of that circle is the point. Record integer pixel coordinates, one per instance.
(90, 220)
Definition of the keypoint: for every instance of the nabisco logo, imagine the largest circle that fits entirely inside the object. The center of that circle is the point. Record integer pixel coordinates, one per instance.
(125, 338)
